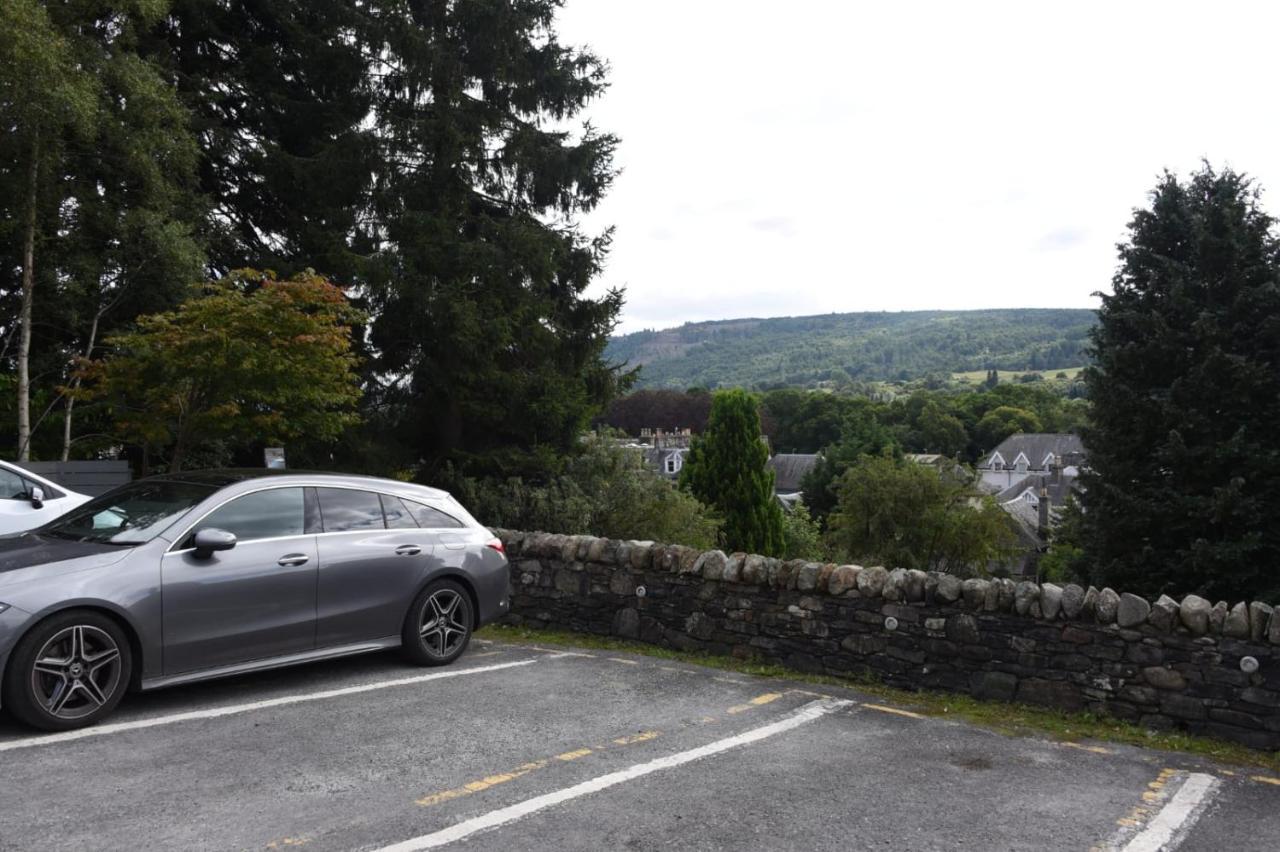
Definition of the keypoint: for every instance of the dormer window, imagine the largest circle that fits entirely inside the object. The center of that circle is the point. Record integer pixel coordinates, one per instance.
(673, 463)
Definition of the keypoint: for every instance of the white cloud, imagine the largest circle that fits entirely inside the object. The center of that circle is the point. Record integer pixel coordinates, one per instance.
(809, 157)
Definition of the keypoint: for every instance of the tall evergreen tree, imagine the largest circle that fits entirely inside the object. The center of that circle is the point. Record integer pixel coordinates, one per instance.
(491, 352)
(1185, 484)
(427, 154)
(726, 470)
(101, 150)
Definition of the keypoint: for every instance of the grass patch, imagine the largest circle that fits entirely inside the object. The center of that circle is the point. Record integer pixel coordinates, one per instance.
(978, 376)
(1011, 719)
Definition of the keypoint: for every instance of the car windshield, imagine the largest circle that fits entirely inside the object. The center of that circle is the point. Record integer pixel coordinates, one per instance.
(132, 514)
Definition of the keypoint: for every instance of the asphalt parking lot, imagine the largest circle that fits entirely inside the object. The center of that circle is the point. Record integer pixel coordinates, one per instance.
(516, 747)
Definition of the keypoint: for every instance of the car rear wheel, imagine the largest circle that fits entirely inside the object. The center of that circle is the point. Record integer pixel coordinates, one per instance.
(71, 670)
(439, 624)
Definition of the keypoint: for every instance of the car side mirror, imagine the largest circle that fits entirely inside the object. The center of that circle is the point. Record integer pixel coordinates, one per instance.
(37, 497)
(210, 540)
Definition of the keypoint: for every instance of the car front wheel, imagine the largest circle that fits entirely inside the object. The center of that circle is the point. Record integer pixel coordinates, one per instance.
(71, 670)
(439, 624)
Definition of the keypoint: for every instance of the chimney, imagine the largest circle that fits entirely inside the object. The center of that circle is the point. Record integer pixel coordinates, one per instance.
(1055, 469)
(1045, 504)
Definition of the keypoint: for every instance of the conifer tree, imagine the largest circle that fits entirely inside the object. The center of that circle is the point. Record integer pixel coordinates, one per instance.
(726, 470)
(1185, 484)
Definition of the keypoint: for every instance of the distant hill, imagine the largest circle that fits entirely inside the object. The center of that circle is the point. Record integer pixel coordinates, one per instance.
(857, 347)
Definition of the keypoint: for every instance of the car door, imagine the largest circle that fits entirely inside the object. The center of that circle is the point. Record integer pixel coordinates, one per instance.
(254, 601)
(372, 561)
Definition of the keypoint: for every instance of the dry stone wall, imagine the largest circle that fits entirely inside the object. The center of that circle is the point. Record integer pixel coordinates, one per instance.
(1208, 668)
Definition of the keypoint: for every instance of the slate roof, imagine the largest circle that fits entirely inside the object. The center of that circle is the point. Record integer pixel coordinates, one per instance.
(789, 468)
(1036, 446)
(1058, 491)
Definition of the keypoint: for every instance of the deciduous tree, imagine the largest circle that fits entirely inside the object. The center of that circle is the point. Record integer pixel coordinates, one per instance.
(906, 515)
(248, 358)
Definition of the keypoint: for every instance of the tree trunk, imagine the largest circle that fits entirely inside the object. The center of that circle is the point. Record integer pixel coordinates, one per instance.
(75, 386)
(28, 288)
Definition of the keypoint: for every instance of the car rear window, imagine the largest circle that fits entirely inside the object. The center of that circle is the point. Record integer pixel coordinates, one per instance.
(397, 514)
(432, 518)
(344, 509)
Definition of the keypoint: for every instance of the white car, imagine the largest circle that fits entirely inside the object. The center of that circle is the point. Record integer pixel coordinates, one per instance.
(28, 501)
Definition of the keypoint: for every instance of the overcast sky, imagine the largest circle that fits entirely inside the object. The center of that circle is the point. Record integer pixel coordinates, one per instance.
(802, 157)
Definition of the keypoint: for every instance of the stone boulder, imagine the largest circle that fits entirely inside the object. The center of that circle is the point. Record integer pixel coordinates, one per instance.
(871, 581)
(974, 591)
(711, 565)
(1164, 614)
(949, 588)
(1132, 610)
(1024, 595)
(1050, 600)
(1107, 607)
(1072, 601)
(1091, 602)
(1236, 624)
(1259, 615)
(844, 578)
(895, 585)
(915, 584)
(1218, 617)
(1194, 614)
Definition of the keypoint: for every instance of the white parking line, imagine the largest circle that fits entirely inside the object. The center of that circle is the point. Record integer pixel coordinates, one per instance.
(1167, 830)
(215, 712)
(502, 816)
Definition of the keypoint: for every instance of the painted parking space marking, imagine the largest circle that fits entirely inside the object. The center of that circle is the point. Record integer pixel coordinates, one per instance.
(236, 709)
(488, 781)
(1167, 814)
(758, 701)
(895, 711)
(1088, 748)
(1167, 829)
(804, 715)
(520, 771)
(1264, 779)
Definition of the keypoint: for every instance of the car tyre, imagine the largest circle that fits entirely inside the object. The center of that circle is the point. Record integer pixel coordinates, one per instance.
(439, 624)
(69, 671)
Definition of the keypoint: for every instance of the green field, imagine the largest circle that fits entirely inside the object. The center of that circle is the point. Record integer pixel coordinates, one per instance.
(979, 376)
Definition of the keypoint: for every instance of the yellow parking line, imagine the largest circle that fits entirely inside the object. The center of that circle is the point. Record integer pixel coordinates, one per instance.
(520, 771)
(894, 710)
(755, 702)
(1264, 779)
(620, 660)
(1088, 748)
(643, 736)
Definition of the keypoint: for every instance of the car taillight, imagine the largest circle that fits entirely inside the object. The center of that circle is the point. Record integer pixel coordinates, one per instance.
(496, 544)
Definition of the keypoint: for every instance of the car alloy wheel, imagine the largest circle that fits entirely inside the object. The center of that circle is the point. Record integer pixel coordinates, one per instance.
(76, 672)
(445, 623)
(438, 626)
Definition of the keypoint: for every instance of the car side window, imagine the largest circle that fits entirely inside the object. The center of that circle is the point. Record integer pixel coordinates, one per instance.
(12, 486)
(398, 517)
(432, 518)
(273, 513)
(344, 510)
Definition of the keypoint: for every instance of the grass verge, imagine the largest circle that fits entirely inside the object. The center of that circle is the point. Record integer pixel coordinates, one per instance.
(1011, 719)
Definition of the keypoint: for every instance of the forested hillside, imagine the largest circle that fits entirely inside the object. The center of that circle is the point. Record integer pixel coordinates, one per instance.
(845, 348)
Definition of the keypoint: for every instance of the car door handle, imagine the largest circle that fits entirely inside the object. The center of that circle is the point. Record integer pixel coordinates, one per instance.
(293, 559)
(408, 550)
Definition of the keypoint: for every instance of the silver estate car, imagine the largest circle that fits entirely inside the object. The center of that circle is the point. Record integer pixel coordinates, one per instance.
(179, 578)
